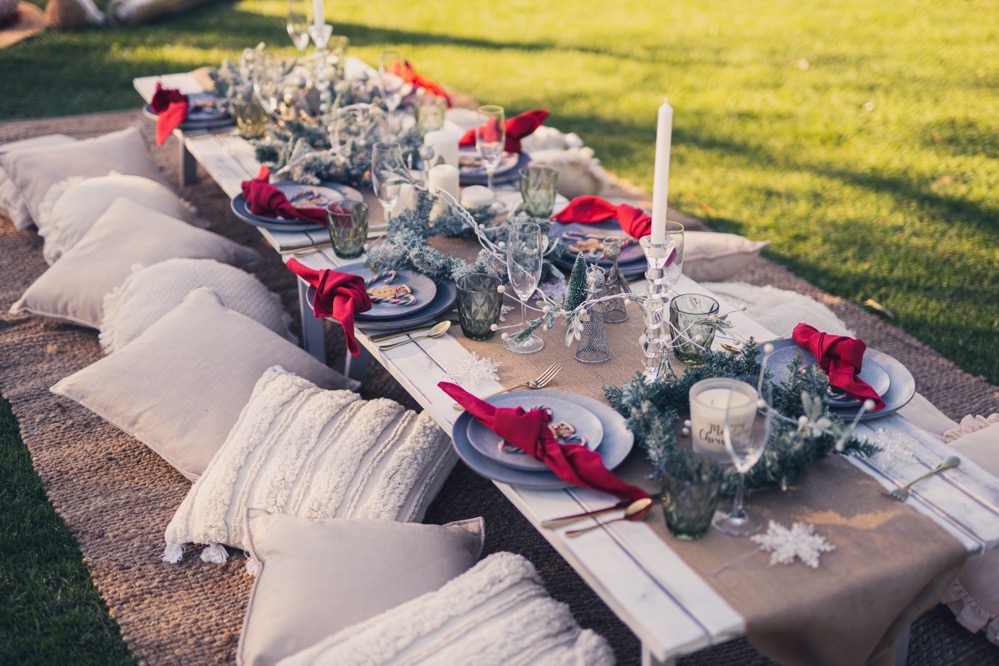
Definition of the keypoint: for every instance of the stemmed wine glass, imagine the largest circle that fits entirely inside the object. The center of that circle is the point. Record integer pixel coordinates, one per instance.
(386, 174)
(268, 81)
(389, 83)
(672, 275)
(298, 23)
(524, 259)
(748, 419)
(490, 138)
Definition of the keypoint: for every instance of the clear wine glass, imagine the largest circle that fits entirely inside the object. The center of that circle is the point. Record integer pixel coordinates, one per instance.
(525, 246)
(490, 138)
(390, 84)
(746, 427)
(675, 232)
(387, 169)
(268, 78)
(298, 23)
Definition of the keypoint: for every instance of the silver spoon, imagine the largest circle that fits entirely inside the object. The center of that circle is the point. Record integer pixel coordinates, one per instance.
(436, 332)
(902, 494)
(637, 510)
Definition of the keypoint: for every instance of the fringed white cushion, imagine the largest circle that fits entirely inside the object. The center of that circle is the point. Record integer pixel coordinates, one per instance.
(151, 292)
(496, 613)
(778, 309)
(73, 288)
(316, 577)
(71, 207)
(304, 451)
(12, 204)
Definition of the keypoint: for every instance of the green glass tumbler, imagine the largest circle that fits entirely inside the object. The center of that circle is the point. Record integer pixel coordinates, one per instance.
(691, 325)
(538, 190)
(479, 305)
(348, 226)
(691, 487)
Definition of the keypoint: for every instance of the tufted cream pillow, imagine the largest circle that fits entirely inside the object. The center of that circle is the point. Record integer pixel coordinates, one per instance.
(304, 451)
(71, 207)
(35, 171)
(318, 576)
(151, 292)
(12, 203)
(711, 257)
(129, 233)
(498, 612)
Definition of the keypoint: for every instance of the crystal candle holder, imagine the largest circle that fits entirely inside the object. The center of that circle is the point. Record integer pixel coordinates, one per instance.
(654, 339)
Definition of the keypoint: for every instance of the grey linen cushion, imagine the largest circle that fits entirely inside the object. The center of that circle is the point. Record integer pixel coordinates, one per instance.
(128, 233)
(12, 203)
(317, 577)
(180, 386)
(35, 171)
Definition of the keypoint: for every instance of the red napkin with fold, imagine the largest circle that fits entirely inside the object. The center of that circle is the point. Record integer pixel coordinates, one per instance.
(588, 208)
(338, 295)
(267, 200)
(841, 358)
(405, 71)
(529, 432)
(516, 129)
(171, 107)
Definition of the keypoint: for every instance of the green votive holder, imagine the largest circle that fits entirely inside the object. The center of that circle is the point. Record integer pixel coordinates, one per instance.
(348, 227)
(538, 189)
(691, 327)
(479, 305)
(691, 486)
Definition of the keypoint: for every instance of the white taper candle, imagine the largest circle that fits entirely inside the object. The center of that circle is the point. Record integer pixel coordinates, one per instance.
(318, 18)
(660, 187)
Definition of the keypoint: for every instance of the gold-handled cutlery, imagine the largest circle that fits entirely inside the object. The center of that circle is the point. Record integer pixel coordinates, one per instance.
(306, 249)
(902, 494)
(637, 510)
(543, 380)
(568, 520)
(398, 334)
(435, 332)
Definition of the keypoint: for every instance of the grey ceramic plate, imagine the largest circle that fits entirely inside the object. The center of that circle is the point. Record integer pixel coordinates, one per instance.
(630, 253)
(199, 117)
(488, 443)
(508, 170)
(423, 288)
(443, 301)
(614, 447)
(334, 192)
(901, 387)
(871, 372)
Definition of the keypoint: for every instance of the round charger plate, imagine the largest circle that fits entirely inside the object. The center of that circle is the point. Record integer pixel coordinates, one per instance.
(198, 117)
(614, 447)
(334, 192)
(630, 253)
(423, 288)
(901, 384)
(489, 443)
(508, 169)
(443, 301)
(871, 372)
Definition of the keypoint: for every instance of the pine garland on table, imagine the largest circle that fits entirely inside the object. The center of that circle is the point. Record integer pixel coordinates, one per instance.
(807, 433)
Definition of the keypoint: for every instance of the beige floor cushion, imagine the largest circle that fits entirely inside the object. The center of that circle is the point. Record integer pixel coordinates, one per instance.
(496, 613)
(301, 450)
(128, 233)
(318, 576)
(778, 310)
(151, 292)
(711, 257)
(12, 202)
(181, 385)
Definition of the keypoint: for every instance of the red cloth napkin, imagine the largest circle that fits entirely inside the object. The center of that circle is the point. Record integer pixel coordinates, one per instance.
(267, 200)
(529, 432)
(516, 129)
(405, 71)
(841, 357)
(588, 208)
(338, 295)
(171, 109)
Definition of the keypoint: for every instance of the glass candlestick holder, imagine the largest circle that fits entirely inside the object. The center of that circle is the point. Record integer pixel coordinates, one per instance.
(655, 338)
(593, 345)
(615, 283)
(320, 37)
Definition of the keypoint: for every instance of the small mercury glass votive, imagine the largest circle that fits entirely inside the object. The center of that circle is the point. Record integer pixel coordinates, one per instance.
(348, 226)
(479, 305)
(538, 189)
(691, 330)
(691, 486)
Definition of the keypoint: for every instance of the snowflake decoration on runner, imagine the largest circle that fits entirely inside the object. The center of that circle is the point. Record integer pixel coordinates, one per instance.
(800, 542)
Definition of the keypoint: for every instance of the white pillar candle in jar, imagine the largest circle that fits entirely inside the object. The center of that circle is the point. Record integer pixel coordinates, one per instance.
(444, 177)
(476, 196)
(709, 400)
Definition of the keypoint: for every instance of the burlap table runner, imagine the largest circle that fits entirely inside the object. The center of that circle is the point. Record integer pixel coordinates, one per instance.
(890, 563)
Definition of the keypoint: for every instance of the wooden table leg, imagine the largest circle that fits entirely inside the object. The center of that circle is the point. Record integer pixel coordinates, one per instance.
(649, 659)
(188, 165)
(313, 329)
(356, 367)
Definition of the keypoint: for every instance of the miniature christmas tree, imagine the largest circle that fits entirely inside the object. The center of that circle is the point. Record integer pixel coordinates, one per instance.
(575, 292)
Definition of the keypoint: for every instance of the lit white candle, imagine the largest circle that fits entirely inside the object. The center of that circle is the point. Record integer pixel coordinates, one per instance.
(444, 177)
(709, 400)
(318, 18)
(476, 196)
(445, 144)
(660, 186)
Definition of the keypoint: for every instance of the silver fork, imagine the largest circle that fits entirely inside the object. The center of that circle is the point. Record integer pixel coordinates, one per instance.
(543, 380)
(902, 494)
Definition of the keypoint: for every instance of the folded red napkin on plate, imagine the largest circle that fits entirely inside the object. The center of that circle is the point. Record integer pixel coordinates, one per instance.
(841, 358)
(171, 107)
(587, 208)
(529, 432)
(405, 71)
(338, 295)
(516, 129)
(267, 200)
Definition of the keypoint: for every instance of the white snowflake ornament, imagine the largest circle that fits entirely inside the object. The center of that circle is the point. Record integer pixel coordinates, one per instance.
(801, 542)
(471, 370)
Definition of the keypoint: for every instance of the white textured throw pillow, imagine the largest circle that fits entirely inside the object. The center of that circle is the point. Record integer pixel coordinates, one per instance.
(779, 310)
(149, 293)
(318, 576)
(12, 204)
(71, 207)
(35, 171)
(73, 288)
(180, 386)
(711, 257)
(496, 613)
(300, 450)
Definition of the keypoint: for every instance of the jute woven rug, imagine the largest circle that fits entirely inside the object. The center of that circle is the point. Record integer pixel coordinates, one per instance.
(117, 496)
